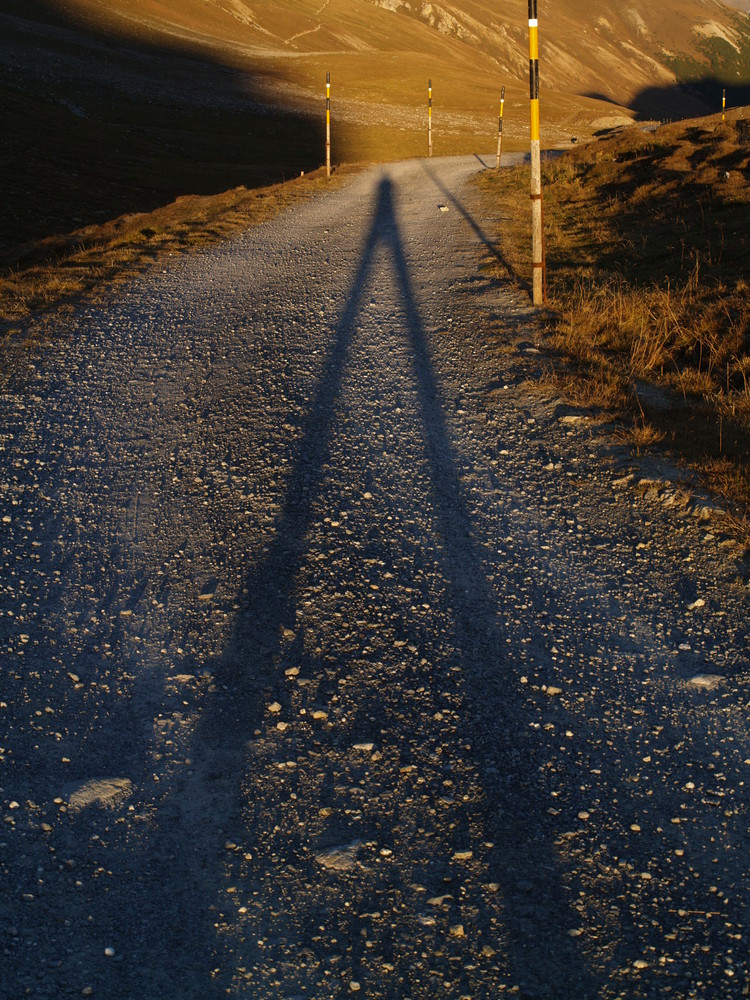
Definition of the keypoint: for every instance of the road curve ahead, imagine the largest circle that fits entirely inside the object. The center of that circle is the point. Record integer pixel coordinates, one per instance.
(335, 660)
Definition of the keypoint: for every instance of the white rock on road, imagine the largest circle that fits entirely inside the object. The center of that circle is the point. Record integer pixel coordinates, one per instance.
(323, 429)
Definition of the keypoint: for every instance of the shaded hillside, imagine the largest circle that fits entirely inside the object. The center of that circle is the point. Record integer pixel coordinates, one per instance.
(689, 99)
(94, 127)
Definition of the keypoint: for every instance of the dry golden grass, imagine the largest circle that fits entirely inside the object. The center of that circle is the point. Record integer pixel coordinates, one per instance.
(640, 435)
(583, 386)
(61, 269)
(647, 256)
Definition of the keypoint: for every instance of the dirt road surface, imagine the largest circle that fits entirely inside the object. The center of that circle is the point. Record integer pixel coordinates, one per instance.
(335, 660)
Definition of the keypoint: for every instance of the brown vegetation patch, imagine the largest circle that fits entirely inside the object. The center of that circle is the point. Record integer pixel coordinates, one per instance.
(57, 270)
(648, 252)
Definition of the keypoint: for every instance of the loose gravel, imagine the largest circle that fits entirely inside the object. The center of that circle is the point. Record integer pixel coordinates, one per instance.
(337, 660)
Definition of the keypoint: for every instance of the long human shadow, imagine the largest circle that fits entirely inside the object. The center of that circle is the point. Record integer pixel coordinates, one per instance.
(253, 662)
(489, 680)
(250, 664)
(180, 865)
(177, 869)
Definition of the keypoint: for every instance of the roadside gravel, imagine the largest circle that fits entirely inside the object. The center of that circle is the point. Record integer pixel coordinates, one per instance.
(336, 660)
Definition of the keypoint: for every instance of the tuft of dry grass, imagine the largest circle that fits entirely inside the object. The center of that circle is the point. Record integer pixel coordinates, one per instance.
(649, 303)
(594, 386)
(640, 435)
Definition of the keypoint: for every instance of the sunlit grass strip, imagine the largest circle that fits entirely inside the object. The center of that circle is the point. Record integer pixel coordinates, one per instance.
(649, 304)
(97, 258)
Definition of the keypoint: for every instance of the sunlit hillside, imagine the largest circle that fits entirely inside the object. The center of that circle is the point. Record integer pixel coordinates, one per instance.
(109, 106)
(382, 49)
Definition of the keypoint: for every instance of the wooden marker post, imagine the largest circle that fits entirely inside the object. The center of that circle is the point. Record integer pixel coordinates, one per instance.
(500, 130)
(328, 124)
(537, 263)
(723, 105)
(429, 117)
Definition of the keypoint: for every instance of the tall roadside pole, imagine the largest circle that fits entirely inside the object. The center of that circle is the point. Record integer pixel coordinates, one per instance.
(538, 284)
(328, 124)
(429, 117)
(500, 130)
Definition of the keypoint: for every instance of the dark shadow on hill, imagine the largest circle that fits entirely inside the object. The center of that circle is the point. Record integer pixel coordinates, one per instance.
(688, 99)
(95, 126)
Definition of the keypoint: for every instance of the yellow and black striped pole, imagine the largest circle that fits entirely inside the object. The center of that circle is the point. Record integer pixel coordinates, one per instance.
(723, 105)
(328, 124)
(500, 130)
(429, 117)
(538, 283)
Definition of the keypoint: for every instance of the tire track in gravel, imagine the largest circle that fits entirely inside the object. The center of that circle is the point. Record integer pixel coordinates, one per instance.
(395, 689)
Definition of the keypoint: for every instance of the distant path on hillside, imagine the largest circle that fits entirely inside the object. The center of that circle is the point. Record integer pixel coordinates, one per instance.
(337, 660)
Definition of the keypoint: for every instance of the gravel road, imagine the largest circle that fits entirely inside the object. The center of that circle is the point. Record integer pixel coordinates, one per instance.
(337, 660)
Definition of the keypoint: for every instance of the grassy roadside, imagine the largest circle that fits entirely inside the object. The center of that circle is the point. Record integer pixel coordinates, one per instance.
(54, 273)
(648, 259)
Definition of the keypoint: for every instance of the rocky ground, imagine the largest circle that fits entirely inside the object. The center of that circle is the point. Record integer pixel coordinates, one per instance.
(336, 659)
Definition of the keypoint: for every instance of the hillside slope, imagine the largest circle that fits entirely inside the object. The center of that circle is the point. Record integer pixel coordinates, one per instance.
(119, 106)
(603, 50)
